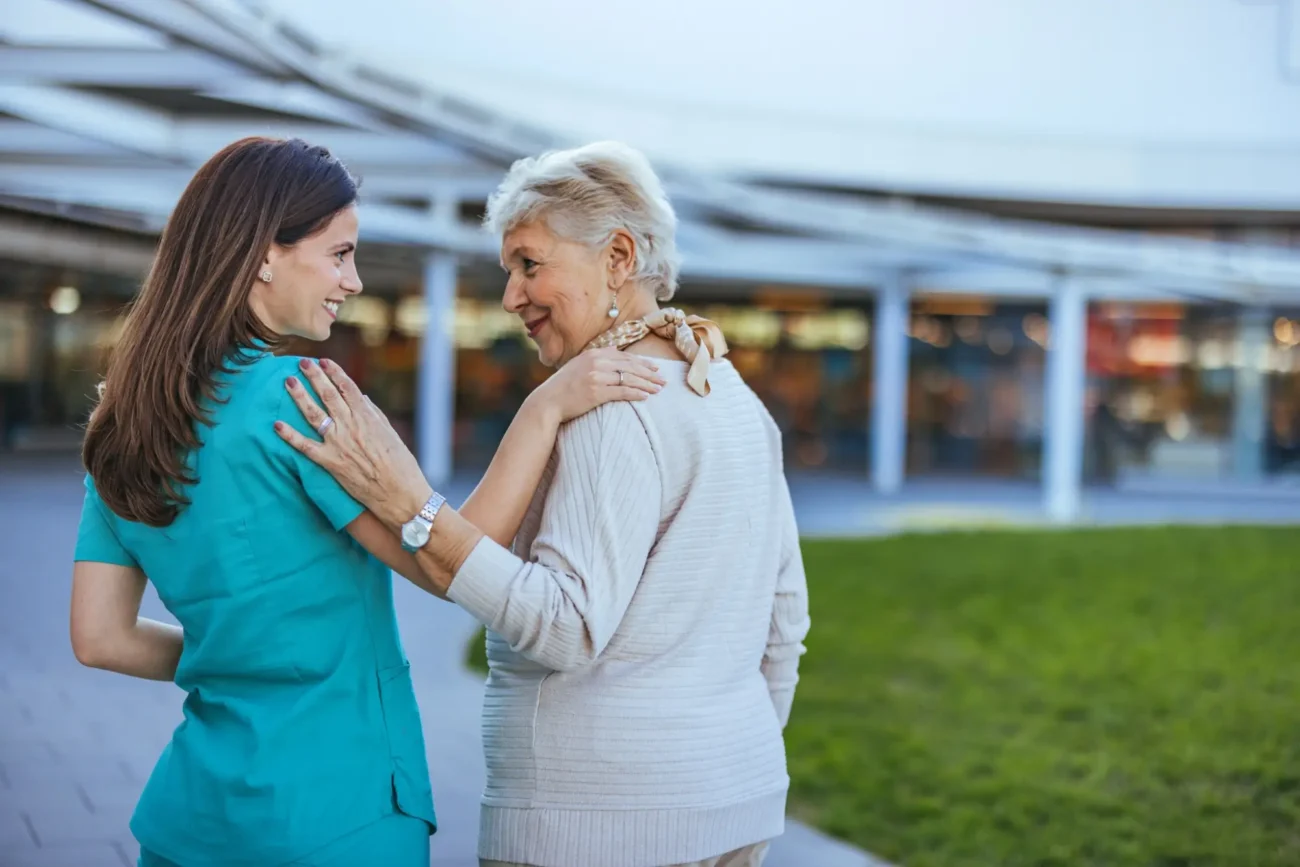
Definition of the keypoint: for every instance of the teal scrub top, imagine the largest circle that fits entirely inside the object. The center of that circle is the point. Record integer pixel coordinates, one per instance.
(300, 722)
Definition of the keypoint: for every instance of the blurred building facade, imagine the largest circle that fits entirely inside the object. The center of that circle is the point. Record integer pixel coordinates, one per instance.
(945, 338)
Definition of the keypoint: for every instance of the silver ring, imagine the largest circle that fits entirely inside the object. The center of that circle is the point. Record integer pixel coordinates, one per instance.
(620, 377)
(324, 426)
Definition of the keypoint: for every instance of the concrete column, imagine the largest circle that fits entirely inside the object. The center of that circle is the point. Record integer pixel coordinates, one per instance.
(436, 378)
(889, 406)
(1249, 399)
(1063, 421)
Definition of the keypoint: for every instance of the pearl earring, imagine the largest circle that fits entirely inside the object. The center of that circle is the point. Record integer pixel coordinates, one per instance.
(265, 275)
(613, 307)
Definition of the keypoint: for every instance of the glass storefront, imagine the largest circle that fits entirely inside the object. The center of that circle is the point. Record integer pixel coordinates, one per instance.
(1282, 434)
(55, 332)
(1162, 392)
(810, 366)
(975, 389)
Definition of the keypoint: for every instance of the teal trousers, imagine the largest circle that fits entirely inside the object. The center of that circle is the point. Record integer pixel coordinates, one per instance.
(395, 841)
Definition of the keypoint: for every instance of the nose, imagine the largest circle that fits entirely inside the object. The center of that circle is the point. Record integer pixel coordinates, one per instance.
(515, 299)
(351, 282)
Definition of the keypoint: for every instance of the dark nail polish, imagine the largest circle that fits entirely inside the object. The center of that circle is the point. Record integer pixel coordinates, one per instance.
(292, 382)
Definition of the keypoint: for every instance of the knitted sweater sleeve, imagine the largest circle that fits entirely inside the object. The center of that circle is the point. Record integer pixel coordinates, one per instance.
(562, 605)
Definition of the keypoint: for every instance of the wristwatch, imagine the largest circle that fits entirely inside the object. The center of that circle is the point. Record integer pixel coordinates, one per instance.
(415, 532)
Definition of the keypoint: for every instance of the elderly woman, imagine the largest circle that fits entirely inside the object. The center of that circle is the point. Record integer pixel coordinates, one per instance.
(645, 631)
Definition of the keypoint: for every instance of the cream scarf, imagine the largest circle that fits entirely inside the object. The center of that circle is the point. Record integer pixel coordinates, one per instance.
(698, 340)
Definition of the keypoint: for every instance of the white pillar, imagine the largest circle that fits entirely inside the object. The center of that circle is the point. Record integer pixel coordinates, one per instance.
(889, 405)
(1063, 421)
(436, 377)
(1249, 410)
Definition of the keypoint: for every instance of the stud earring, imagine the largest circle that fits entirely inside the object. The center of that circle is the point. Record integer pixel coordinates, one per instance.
(265, 275)
(613, 307)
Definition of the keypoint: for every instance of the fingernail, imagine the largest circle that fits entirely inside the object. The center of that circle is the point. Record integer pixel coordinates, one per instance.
(305, 363)
(279, 427)
(291, 382)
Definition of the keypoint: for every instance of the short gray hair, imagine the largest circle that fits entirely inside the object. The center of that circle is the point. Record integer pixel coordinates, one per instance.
(585, 195)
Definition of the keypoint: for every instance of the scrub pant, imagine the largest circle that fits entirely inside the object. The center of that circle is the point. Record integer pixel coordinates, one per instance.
(394, 841)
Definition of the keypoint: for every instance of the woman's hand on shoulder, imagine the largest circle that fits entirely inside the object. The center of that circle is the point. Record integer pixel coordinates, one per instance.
(596, 377)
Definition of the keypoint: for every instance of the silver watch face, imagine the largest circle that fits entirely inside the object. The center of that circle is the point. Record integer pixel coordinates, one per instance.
(415, 534)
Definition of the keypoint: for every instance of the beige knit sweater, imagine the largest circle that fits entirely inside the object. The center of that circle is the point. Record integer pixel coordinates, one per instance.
(645, 650)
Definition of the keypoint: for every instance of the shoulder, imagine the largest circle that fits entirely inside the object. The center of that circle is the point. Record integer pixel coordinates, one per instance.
(92, 494)
(260, 384)
(610, 435)
(266, 373)
(611, 422)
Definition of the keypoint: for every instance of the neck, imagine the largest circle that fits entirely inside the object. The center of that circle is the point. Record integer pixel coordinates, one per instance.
(640, 305)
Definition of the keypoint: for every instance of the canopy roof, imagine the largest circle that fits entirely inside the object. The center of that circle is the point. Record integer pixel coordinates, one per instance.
(108, 106)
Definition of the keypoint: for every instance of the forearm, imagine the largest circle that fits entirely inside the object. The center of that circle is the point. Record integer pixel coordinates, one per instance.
(498, 504)
(781, 670)
(451, 541)
(562, 607)
(149, 650)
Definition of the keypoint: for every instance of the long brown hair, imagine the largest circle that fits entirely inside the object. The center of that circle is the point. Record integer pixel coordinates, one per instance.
(192, 316)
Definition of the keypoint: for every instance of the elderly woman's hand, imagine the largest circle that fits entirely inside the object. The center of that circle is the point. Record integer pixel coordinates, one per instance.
(359, 448)
(593, 378)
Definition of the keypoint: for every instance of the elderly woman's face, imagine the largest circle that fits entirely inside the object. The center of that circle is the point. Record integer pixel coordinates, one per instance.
(560, 289)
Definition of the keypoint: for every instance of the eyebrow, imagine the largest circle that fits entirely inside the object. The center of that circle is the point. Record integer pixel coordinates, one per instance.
(345, 247)
(523, 251)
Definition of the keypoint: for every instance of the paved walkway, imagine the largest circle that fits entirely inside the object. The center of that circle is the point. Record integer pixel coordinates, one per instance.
(76, 745)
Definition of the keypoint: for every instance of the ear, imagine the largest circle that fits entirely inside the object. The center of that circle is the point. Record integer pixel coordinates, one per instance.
(620, 259)
(273, 256)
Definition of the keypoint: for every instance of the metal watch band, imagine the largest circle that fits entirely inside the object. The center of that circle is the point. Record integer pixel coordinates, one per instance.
(430, 509)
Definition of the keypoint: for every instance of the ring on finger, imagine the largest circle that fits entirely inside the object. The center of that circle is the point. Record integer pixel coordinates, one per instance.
(325, 425)
(620, 377)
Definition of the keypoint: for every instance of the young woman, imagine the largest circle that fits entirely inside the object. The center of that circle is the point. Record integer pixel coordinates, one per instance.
(301, 741)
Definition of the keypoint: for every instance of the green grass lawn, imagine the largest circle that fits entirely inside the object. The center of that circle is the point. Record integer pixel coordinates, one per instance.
(1119, 697)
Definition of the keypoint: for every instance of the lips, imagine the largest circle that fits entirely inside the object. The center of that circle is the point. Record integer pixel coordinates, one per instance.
(332, 308)
(536, 325)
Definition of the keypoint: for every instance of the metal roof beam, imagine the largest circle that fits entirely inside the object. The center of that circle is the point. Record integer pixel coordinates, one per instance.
(88, 115)
(20, 138)
(155, 201)
(154, 133)
(71, 246)
(438, 183)
(191, 24)
(292, 98)
(115, 67)
(1039, 245)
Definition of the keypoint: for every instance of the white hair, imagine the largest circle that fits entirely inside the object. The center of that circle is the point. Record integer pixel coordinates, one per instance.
(585, 195)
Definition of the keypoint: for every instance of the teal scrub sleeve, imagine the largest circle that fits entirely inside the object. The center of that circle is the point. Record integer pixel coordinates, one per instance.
(96, 540)
(337, 504)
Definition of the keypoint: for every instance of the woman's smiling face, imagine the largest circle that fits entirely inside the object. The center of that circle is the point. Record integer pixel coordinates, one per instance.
(310, 280)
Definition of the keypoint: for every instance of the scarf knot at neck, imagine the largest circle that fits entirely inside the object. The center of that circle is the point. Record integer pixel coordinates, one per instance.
(699, 340)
